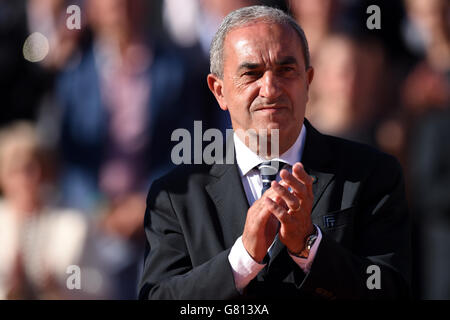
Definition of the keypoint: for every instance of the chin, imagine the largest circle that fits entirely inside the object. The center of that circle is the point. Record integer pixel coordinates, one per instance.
(274, 124)
(282, 124)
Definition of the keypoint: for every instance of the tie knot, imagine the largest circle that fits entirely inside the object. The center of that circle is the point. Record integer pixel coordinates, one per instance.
(269, 168)
(269, 171)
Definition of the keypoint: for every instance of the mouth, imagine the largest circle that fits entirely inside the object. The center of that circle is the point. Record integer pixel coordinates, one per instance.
(270, 108)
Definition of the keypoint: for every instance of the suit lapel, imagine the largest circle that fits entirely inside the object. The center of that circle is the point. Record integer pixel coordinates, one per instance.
(228, 195)
(317, 161)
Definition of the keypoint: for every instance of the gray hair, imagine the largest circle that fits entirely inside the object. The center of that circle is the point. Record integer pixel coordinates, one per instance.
(247, 15)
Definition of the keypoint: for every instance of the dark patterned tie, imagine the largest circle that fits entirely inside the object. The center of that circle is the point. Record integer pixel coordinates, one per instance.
(268, 171)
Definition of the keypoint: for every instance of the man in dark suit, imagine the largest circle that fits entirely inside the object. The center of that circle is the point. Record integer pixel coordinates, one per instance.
(332, 223)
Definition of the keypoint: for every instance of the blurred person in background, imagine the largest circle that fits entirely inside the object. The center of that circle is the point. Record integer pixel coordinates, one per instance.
(425, 119)
(344, 97)
(38, 240)
(110, 109)
(104, 98)
(117, 99)
(427, 31)
(317, 18)
(429, 153)
(358, 69)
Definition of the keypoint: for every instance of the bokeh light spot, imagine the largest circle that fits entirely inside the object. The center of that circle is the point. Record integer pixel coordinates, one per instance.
(36, 47)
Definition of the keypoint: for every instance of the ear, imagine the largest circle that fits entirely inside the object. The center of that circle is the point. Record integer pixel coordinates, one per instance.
(215, 84)
(309, 79)
(309, 75)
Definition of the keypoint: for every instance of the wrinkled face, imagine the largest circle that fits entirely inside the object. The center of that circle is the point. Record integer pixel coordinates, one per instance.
(265, 84)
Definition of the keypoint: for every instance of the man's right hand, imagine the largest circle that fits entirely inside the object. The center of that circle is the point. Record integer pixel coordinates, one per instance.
(261, 225)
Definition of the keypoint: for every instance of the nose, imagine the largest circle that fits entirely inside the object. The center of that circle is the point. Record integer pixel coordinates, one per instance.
(269, 86)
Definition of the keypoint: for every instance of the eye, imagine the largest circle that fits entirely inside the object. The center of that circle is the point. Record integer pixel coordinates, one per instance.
(252, 74)
(287, 69)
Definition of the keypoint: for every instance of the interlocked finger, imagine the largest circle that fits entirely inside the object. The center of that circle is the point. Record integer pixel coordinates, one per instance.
(290, 199)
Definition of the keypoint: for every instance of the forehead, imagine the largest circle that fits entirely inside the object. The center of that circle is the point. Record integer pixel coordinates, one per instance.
(262, 42)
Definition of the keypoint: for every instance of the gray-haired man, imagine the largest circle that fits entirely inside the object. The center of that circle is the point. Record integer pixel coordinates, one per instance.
(335, 208)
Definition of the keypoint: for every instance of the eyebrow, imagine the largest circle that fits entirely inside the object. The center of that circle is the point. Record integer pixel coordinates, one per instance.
(248, 66)
(286, 60)
(252, 66)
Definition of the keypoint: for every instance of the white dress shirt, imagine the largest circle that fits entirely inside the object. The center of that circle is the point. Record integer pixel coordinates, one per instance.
(243, 266)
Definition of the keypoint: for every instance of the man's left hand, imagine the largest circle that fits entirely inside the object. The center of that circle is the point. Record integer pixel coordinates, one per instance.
(295, 213)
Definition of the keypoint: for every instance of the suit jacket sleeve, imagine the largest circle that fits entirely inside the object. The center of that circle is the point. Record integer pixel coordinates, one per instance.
(381, 237)
(168, 272)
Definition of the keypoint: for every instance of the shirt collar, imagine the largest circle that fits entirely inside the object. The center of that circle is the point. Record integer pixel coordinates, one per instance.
(247, 159)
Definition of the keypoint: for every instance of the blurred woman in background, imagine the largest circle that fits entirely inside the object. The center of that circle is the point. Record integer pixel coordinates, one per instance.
(38, 241)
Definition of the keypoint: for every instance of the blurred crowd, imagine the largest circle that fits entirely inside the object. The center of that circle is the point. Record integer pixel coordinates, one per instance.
(84, 132)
